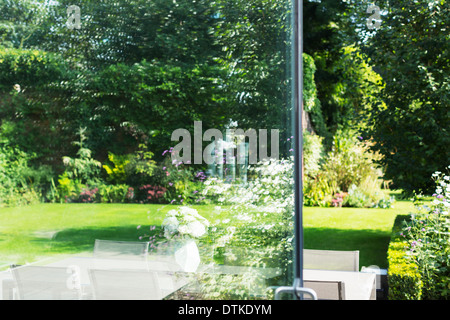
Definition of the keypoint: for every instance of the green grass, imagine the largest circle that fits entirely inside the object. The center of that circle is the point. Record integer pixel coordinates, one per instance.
(33, 232)
(366, 230)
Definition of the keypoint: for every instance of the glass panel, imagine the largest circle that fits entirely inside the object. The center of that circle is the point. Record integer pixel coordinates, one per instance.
(146, 147)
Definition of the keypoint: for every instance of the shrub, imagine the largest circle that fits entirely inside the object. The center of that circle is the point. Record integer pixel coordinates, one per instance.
(182, 181)
(151, 194)
(134, 169)
(319, 191)
(114, 193)
(424, 248)
(68, 189)
(349, 162)
(404, 279)
(88, 195)
(19, 183)
(348, 169)
(312, 153)
(80, 170)
(116, 169)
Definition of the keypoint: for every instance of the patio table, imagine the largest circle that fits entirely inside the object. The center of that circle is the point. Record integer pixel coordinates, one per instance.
(168, 280)
(358, 285)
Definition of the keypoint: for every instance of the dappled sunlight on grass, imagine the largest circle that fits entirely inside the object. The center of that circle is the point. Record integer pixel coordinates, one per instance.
(32, 232)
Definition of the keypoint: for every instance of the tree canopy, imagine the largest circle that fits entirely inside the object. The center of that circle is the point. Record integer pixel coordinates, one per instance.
(411, 129)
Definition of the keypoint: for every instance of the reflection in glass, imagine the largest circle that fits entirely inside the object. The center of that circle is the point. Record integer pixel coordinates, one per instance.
(91, 95)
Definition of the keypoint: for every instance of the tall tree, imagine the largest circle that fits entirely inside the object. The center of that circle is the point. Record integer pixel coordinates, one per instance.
(411, 52)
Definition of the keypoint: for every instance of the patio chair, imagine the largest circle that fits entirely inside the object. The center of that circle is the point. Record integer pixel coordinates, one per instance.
(326, 290)
(125, 285)
(128, 250)
(47, 283)
(331, 260)
(110, 254)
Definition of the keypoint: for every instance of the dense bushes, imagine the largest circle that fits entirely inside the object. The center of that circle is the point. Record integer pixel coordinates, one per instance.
(20, 183)
(419, 252)
(345, 176)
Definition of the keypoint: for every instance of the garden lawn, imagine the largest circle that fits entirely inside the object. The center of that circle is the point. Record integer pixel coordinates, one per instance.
(366, 230)
(33, 232)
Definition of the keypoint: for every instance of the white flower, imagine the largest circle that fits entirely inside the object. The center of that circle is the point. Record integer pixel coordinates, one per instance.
(186, 222)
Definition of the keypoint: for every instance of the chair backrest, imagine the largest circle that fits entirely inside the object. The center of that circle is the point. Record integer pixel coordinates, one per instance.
(331, 260)
(47, 283)
(128, 250)
(326, 290)
(125, 285)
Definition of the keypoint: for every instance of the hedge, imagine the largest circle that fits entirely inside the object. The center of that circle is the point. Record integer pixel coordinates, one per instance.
(404, 279)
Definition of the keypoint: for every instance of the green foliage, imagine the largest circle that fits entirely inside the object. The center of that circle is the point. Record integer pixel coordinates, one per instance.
(114, 193)
(405, 282)
(313, 152)
(348, 168)
(141, 166)
(84, 168)
(79, 172)
(182, 183)
(319, 191)
(310, 100)
(411, 128)
(17, 186)
(28, 68)
(19, 21)
(259, 233)
(116, 171)
(419, 250)
(33, 103)
(346, 86)
(428, 234)
(349, 161)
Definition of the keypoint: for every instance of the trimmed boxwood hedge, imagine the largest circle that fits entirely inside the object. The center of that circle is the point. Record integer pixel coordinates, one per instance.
(404, 279)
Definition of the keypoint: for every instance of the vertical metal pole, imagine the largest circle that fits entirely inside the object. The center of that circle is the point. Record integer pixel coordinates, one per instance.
(298, 149)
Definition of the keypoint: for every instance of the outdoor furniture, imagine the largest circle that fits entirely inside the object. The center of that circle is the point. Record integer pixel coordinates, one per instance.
(381, 280)
(358, 285)
(331, 260)
(326, 290)
(169, 276)
(128, 250)
(125, 285)
(109, 254)
(47, 283)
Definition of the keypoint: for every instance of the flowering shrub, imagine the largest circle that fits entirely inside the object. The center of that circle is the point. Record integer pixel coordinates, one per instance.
(260, 233)
(151, 194)
(348, 167)
(428, 237)
(338, 199)
(181, 181)
(87, 195)
(184, 222)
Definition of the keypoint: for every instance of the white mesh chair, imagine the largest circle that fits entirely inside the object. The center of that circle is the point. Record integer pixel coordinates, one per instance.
(326, 290)
(125, 285)
(47, 283)
(331, 260)
(129, 250)
(109, 254)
